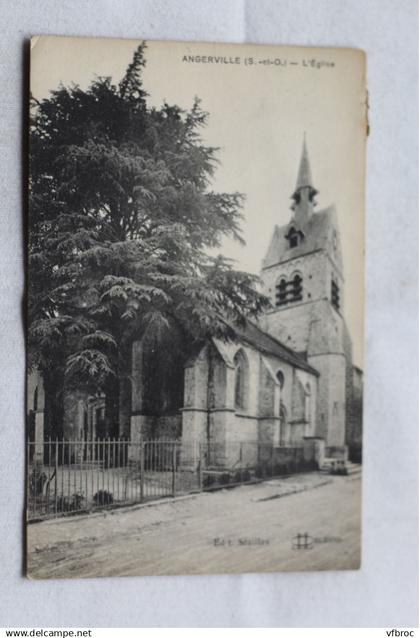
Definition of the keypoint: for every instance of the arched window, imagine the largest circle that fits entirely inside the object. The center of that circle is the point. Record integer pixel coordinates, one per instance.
(241, 380)
(281, 292)
(298, 401)
(289, 291)
(335, 295)
(283, 423)
(308, 403)
(280, 378)
(293, 238)
(297, 288)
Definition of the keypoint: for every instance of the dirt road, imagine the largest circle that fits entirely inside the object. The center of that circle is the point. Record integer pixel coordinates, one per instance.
(246, 529)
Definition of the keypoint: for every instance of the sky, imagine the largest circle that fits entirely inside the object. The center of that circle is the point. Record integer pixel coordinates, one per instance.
(260, 105)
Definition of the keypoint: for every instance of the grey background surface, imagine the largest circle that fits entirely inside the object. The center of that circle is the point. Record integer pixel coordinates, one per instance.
(384, 592)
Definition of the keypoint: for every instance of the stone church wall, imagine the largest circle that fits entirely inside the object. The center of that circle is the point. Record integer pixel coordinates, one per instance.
(290, 325)
(316, 328)
(311, 267)
(331, 397)
(211, 417)
(156, 400)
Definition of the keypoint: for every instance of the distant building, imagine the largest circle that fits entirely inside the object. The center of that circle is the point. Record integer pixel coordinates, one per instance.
(354, 430)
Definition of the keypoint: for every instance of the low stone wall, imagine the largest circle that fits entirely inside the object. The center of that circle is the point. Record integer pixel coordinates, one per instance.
(355, 453)
(337, 452)
(283, 460)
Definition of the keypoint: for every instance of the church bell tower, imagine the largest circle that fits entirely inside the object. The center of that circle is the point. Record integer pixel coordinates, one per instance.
(302, 274)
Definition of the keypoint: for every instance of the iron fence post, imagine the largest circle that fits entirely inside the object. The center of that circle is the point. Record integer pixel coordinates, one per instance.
(200, 467)
(28, 479)
(272, 460)
(141, 470)
(174, 468)
(56, 476)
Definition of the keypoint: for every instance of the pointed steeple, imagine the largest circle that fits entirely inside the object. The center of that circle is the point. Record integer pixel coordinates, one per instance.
(303, 196)
(304, 177)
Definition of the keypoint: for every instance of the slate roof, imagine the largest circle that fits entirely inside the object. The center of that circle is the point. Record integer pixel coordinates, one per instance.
(265, 343)
(316, 230)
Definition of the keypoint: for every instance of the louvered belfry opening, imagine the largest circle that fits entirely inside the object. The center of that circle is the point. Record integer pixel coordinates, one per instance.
(289, 291)
(335, 295)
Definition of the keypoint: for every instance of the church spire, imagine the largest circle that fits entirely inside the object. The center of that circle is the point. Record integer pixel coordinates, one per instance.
(303, 196)
(304, 177)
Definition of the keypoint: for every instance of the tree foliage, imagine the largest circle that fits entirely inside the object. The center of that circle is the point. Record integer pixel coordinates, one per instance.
(122, 216)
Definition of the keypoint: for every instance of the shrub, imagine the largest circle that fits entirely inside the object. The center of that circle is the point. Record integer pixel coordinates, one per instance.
(224, 478)
(260, 471)
(37, 481)
(242, 476)
(208, 480)
(279, 469)
(340, 471)
(71, 503)
(103, 497)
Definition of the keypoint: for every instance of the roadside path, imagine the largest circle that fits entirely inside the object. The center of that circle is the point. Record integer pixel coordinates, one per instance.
(245, 529)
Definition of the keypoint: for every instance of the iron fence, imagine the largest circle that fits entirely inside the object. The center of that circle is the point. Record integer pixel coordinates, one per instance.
(67, 477)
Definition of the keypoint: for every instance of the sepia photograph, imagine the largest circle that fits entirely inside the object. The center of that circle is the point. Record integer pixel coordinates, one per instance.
(195, 308)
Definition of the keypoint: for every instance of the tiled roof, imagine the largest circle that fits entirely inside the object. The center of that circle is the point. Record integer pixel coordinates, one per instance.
(267, 344)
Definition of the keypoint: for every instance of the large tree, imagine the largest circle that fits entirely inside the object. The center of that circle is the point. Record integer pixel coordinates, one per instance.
(122, 217)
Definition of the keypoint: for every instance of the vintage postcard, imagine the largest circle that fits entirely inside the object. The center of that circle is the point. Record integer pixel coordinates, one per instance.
(195, 308)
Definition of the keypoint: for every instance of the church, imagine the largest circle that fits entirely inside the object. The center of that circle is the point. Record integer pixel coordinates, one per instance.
(287, 381)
